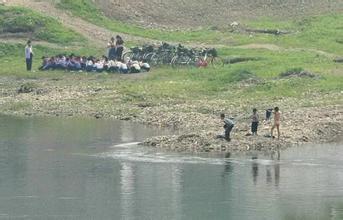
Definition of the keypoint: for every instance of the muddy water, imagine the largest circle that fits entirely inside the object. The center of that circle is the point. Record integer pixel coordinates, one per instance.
(92, 169)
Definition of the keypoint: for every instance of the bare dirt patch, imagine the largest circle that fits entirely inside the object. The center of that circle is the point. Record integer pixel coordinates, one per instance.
(190, 13)
(95, 34)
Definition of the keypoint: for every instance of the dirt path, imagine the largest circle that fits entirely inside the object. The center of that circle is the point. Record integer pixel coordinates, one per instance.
(95, 34)
(99, 36)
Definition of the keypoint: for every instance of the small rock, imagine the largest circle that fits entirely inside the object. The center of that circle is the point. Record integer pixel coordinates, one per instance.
(25, 88)
(98, 115)
(305, 139)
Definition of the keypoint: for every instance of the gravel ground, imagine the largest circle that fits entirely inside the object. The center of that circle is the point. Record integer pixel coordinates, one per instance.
(197, 122)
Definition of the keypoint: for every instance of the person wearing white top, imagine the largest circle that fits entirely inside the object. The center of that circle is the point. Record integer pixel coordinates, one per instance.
(145, 66)
(123, 68)
(28, 55)
(99, 66)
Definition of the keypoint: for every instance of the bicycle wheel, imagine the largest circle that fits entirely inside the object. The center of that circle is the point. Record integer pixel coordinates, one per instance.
(152, 59)
(147, 56)
(180, 61)
(193, 61)
(127, 56)
(216, 62)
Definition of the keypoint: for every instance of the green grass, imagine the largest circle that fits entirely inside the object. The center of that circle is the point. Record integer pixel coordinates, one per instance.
(13, 60)
(35, 26)
(194, 83)
(189, 84)
(86, 10)
(321, 32)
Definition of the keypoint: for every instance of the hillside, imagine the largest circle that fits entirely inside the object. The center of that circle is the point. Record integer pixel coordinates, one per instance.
(24, 23)
(190, 13)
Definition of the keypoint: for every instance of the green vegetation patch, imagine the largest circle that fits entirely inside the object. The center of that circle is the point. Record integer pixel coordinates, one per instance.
(88, 11)
(322, 32)
(14, 20)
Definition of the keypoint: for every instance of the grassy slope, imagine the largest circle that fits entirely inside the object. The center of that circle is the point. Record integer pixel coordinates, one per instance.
(222, 84)
(320, 32)
(35, 25)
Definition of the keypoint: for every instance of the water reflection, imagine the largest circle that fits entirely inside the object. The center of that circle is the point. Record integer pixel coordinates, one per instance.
(127, 181)
(254, 169)
(176, 188)
(277, 168)
(272, 166)
(50, 170)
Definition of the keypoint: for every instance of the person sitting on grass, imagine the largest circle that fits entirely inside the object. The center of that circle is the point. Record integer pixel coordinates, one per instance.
(45, 61)
(89, 64)
(228, 126)
(83, 61)
(123, 67)
(77, 63)
(48, 63)
(112, 66)
(144, 66)
(99, 66)
(61, 62)
(135, 67)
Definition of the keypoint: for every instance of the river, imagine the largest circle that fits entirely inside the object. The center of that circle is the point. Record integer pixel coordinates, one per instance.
(56, 168)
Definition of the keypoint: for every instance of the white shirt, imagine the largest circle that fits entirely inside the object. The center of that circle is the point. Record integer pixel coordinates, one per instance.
(99, 65)
(28, 51)
(123, 66)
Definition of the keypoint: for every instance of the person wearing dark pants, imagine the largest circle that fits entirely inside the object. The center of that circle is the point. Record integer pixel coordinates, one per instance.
(254, 123)
(112, 49)
(28, 55)
(228, 126)
(119, 48)
(228, 129)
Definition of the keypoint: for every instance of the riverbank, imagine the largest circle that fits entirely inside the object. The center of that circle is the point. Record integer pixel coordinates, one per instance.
(318, 118)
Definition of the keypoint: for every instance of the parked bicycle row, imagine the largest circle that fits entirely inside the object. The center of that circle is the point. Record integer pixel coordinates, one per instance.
(174, 55)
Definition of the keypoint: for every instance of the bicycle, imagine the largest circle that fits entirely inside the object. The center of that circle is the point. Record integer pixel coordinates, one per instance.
(183, 57)
(206, 57)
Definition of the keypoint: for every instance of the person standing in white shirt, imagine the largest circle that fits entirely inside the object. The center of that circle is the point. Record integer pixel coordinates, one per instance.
(28, 55)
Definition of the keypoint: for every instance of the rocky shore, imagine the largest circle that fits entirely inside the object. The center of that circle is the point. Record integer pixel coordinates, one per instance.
(196, 121)
(295, 131)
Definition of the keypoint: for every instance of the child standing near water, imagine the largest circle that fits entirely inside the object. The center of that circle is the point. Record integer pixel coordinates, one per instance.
(254, 123)
(277, 118)
(228, 125)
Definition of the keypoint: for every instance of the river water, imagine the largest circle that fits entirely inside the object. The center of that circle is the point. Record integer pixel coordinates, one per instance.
(91, 169)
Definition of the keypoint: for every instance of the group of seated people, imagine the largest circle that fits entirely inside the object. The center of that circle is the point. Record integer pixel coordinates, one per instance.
(92, 64)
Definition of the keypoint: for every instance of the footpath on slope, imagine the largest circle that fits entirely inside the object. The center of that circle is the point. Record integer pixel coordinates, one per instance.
(98, 36)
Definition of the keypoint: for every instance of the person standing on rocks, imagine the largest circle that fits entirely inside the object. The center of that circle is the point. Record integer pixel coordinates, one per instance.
(268, 113)
(277, 118)
(254, 123)
(228, 125)
(28, 55)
